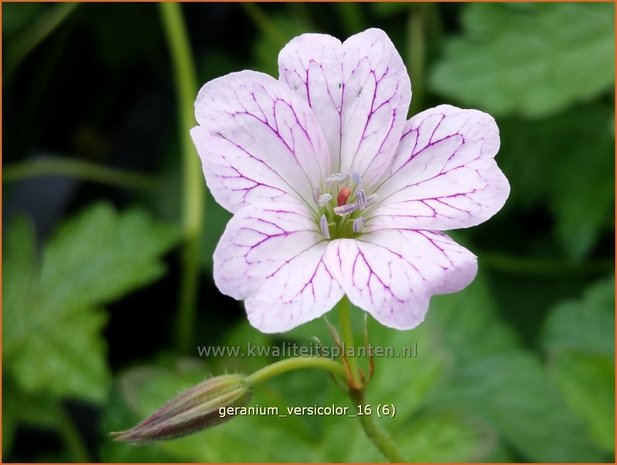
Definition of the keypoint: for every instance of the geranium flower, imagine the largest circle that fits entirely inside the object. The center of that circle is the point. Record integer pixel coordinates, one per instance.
(334, 193)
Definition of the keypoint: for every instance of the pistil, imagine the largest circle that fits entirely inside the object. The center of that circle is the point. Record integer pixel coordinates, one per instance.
(343, 196)
(341, 218)
(360, 198)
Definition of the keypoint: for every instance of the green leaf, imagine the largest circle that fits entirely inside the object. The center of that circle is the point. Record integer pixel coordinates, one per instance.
(20, 283)
(531, 61)
(41, 409)
(434, 436)
(567, 162)
(493, 380)
(579, 339)
(52, 314)
(417, 362)
(446, 436)
(67, 357)
(587, 383)
(511, 392)
(101, 255)
(585, 325)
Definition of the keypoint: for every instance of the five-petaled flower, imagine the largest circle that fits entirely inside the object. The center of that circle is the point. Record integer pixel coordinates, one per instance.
(334, 193)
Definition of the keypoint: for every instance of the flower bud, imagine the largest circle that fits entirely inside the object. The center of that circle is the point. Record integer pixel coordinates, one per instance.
(195, 409)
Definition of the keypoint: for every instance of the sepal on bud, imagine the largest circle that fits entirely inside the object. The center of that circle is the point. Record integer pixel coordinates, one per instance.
(195, 409)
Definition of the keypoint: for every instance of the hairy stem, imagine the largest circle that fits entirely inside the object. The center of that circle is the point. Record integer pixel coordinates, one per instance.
(297, 363)
(344, 307)
(376, 433)
(373, 431)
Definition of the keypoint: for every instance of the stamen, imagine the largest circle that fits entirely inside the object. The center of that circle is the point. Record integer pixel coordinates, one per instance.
(355, 176)
(316, 194)
(336, 177)
(343, 210)
(324, 199)
(323, 224)
(360, 198)
(343, 196)
(358, 224)
(371, 199)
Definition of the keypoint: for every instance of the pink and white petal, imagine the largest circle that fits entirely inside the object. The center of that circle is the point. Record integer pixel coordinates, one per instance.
(258, 141)
(272, 256)
(443, 175)
(310, 65)
(360, 91)
(392, 274)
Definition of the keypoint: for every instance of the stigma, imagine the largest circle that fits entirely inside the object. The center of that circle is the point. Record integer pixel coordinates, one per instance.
(343, 196)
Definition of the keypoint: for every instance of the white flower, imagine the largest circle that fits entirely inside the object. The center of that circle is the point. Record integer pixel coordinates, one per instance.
(334, 193)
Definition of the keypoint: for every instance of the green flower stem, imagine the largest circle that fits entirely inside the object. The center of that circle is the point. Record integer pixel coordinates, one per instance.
(58, 166)
(344, 308)
(373, 431)
(297, 363)
(71, 437)
(376, 433)
(193, 196)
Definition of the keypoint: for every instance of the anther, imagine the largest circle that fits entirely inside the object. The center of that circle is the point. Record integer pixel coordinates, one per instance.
(324, 199)
(356, 177)
(343, 210)
(316, 194)
(323, 224)
(358, 224)
(336, 177)
(360, 198)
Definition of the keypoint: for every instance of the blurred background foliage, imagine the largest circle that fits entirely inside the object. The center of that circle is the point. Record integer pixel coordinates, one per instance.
(518, 367)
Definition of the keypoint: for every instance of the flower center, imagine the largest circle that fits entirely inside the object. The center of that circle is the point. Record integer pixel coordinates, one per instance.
(341, 202)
